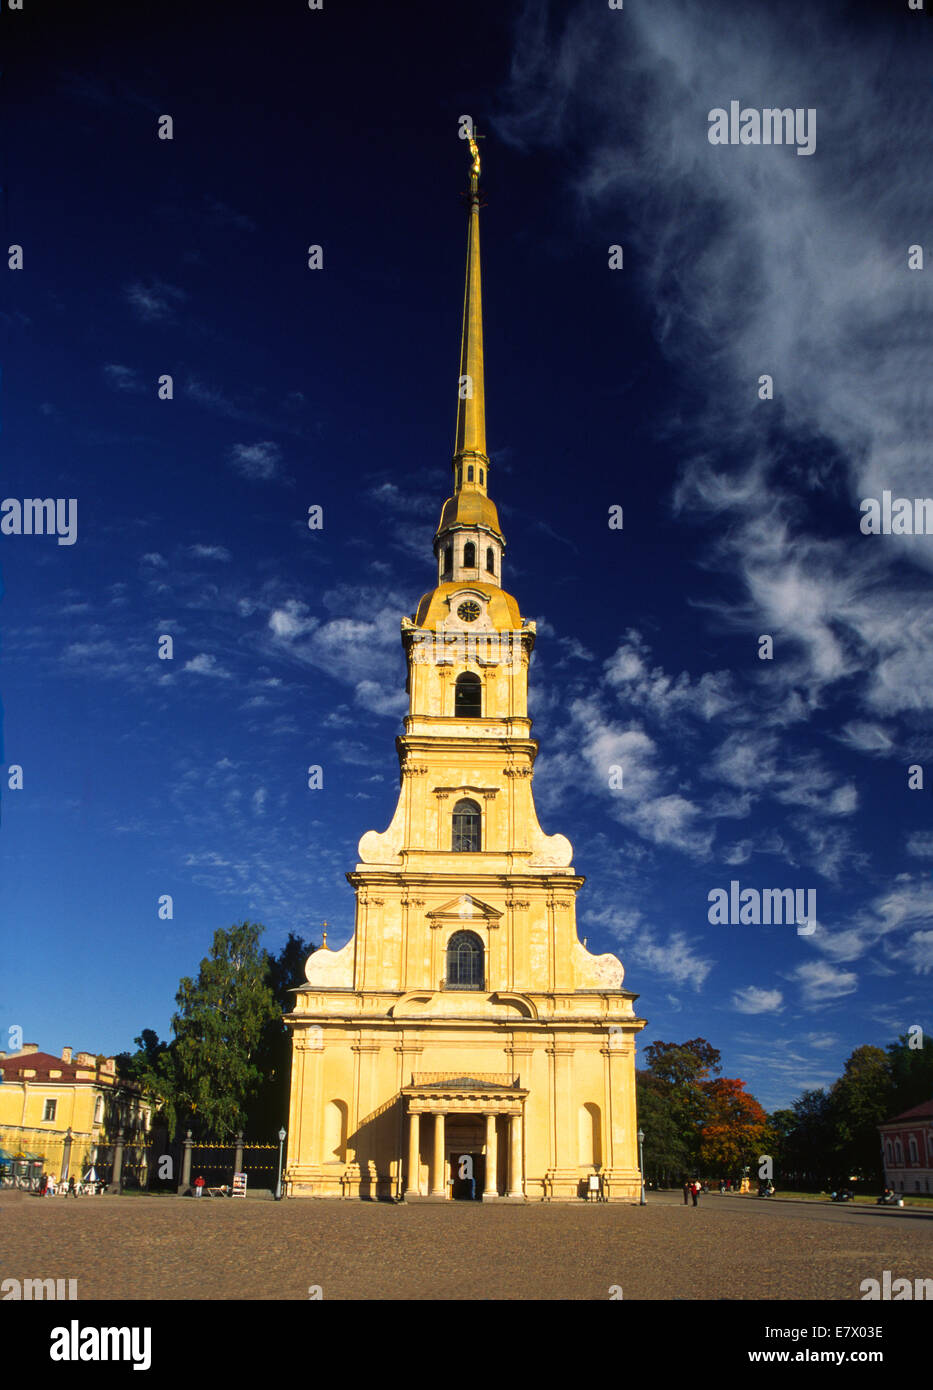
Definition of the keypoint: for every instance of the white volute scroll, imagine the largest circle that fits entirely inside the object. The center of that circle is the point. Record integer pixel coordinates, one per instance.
(596, 972)
(334, 968)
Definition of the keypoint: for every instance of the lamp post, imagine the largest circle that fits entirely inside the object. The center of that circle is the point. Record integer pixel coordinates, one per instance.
(278, 1181)
(641, 1165)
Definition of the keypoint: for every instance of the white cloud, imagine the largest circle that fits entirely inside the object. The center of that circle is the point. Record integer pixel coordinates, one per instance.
(390, 497)
(867, 737)
(661, 695)
(893, 923)
(754, 260)
(821, 1040)
(917, 953)
(746, 760)
(291, 620)
(676, 960)
(678, 823)
(379, 698)
(257, 461)
(155, 301)
(821, 982)
(122, 378)
(210, 552)
(641, 802)
(361, 647)
(752, 1000)
(205, 664)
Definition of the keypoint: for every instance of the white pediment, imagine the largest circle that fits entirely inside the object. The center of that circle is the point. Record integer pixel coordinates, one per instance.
(466, 909)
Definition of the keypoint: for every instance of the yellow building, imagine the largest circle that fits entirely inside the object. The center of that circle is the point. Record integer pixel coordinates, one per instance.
(464, 1042)
(68, 1111)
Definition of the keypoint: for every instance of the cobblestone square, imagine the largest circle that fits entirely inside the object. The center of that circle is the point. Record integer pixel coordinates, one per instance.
(728, 1248)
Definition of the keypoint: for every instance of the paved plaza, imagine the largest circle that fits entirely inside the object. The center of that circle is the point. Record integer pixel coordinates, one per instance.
(735, 1248)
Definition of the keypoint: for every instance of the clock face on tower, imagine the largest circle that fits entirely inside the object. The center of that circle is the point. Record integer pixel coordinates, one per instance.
(468, 612)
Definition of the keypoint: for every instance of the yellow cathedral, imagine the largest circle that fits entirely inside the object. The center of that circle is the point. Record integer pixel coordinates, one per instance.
(464, 1043)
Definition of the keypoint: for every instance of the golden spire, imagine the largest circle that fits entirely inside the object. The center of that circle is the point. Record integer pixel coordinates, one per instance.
(470, 447)
(468, 543)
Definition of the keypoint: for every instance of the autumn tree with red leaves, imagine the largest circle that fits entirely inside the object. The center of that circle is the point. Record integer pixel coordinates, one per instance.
(735, 1128)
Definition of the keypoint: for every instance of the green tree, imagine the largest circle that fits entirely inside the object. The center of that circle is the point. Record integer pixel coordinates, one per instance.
(153, 1067)
(218, 1029)
(777, 1141)
(667, 1153)
(859, 1101)
(268, 1110)
(911, 1073)
(811, 1148)
(144, 1062)
(681, 1069)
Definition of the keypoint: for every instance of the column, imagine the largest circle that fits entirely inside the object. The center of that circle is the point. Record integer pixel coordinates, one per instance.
(116, 1172)
(238, 1156)
(413, 1188)
(490, 1190)
(516, 1177)
(185, 1184)
(437, 1168)
(66, 1154)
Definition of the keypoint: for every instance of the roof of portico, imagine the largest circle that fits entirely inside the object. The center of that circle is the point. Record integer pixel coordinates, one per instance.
(486, 1086)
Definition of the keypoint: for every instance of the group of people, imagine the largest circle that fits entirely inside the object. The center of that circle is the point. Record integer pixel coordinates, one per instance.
(49, 1185)
(693, 1187)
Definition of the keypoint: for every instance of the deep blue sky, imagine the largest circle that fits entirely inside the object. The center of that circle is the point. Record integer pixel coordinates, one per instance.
(635, 387)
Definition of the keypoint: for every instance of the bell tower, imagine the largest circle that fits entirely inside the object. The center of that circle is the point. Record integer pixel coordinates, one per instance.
(464, 1014)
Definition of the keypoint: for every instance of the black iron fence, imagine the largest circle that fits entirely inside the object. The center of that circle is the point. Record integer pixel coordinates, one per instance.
(215, 1163)
(151, 1165)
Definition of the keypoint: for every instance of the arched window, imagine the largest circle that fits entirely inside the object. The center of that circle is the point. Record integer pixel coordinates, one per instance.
(468, 696)
(469, 556)
(889, 1153)
(465, 961)
(912, 1146)
(467, 827)
(491, 560)
(481, 477)
(469, 472)
(898, 1153)
(448, 558)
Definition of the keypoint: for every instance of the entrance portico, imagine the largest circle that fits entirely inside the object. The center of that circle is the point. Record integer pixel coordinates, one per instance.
(459, 1118)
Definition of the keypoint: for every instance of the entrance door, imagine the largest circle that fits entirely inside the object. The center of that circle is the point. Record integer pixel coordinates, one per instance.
(468, 1176)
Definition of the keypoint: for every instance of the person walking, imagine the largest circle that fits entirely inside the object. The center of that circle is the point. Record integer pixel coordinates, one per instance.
(686, 1192)
(72, 1189)
(198, 1185)
(695, 1190)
